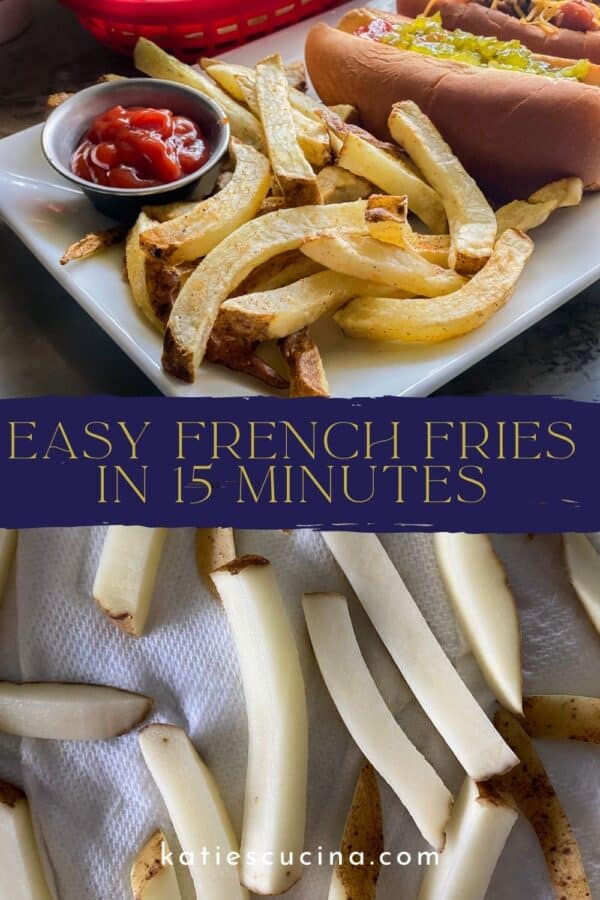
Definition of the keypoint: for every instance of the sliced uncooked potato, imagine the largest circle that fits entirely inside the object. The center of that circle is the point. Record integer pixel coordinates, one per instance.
(583, 566)
(479, 826)
(214, 548)
(20, 864)
(363, 833)
(69, 712)
(536, 798)
(8, 548)
(485, 609)
(152, 877)
(126, 574)
(275, 803)
(427, 670)
(562, 717)
(369, 720)
(196, 809)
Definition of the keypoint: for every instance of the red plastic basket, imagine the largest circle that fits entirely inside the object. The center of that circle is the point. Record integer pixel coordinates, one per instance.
(189, 28)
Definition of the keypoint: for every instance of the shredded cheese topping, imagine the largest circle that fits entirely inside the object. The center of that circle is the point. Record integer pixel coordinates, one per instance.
(541, 12)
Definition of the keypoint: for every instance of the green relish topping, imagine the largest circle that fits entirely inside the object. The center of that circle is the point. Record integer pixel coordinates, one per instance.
(426, 35)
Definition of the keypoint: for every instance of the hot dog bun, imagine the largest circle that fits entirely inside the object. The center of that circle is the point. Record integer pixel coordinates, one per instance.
(492, 23)
(513, 132)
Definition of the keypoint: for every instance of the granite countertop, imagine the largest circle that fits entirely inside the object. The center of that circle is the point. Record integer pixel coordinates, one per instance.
(71, 355)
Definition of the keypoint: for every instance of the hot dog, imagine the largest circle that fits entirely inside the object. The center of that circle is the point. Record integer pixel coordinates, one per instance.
(567, 28)
(513, 131)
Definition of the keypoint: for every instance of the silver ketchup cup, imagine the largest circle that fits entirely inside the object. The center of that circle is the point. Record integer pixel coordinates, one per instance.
(68, 123)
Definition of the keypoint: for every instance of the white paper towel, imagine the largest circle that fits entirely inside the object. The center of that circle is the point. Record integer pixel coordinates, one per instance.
(95, 804)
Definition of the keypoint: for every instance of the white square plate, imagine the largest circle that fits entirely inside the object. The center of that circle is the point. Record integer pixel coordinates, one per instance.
(48, 214)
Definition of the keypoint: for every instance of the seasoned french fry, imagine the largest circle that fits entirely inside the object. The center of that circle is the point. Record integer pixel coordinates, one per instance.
(364, 257)
(311, 136)
(528, 214)
(432, 321)
(393, 175)
(363, 833)
(153, 61)
(271, 314)
(290, 167)
(240, 355)
(279, 271)
(536, 798)
(214, 548)
(196, 308)
(337, 185)
(562, 717)
(471, 219)
(135, 265)
(197, 231)
(93, 243)
(307, 373)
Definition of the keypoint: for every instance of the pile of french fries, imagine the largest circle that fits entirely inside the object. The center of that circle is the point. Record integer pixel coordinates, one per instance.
(315, 217)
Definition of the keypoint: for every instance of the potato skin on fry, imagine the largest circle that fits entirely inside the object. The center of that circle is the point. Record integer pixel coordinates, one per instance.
(536, 798)
(561, 716)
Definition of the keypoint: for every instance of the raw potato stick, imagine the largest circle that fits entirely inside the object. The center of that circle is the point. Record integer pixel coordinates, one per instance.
(8, 548)
(583, 567)
(23, 875)
(214, 548)
(69, 712)
(196, 809)
(533, 793)
(368, 719)
(126, 574)
(363, 832)
(152, 878)
(427, 670)
(485, 609)
(293, 173)
(276, 779)
(479, 826)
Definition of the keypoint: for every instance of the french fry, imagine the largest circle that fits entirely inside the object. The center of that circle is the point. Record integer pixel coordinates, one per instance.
(153, 61)
(471, 219)
(337, 185)
(151, 878)
(225, 74)
(536, 798)
(163, 283)
(307, 373)
(363, 833)
(582, 561)
(562, 717)
(311, 136)
(528, 214)
(290, 167)
(273, 314)
(364, 257)
(93, 243)
(277, 272)
(240, 355)
(392, 175)
(197, 231)
(214, 548)
(136, 268)
(196, 308)
(432, 321)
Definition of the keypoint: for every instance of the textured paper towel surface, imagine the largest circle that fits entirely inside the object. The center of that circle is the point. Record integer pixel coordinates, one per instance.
(95, 804)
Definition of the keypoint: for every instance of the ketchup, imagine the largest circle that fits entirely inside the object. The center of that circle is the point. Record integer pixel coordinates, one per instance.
(138, 147)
